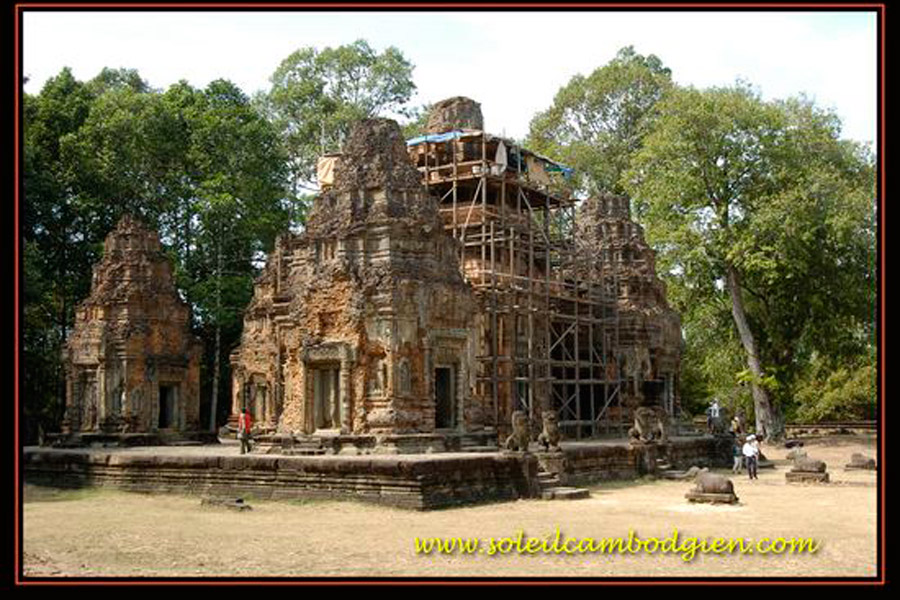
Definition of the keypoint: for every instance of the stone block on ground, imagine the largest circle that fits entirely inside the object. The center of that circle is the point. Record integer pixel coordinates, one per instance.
(237, 504)
(806, 477)
(565, 493)
(710, 498)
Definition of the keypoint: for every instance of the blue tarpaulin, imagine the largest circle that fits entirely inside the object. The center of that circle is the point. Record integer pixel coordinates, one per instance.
(435, 137)
(556, 167)
(455, 135)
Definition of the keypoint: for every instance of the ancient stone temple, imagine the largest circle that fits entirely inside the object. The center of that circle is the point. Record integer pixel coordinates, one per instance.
(649, 332)
(361, 329)
(132, 364)
(454, 113)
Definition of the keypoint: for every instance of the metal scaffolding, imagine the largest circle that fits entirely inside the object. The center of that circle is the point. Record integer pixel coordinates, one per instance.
(550, 333)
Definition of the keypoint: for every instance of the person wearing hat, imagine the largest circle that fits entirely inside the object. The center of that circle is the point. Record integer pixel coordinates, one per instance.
(751, 456)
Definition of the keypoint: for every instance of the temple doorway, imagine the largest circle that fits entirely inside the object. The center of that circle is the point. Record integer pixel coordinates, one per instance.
(167, 413)
(327, 397)
(444, 398)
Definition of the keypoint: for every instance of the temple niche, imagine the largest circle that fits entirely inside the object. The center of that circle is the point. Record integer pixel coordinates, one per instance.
(132, 364)
(362, 325)
(649, 331)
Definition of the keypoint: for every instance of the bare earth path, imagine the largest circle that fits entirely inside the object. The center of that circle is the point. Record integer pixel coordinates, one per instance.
(108, 533)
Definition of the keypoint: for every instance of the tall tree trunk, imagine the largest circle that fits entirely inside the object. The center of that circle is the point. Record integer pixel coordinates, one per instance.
(768, 418)
(214, 405)
(62, 261)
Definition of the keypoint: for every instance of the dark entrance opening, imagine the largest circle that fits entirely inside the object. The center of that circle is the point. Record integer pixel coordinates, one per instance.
(443, 398)
(166, 407)
(327, 397)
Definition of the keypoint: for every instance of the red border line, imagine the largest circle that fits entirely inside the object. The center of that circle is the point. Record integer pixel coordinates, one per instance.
(883, 254)
(16, 102)
(881, 11)
(338, 5)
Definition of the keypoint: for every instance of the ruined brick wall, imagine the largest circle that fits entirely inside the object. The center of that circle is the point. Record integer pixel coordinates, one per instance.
(650, 342)
(131, 336)
(371, 290)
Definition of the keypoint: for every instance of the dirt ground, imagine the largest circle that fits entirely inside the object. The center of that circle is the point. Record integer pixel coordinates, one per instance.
(92, 533)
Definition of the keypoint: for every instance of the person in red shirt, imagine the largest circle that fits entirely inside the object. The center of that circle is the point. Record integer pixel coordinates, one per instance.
(245, 424)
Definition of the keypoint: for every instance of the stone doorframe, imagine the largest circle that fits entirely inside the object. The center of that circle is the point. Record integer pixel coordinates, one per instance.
(448, 348)
(341, 353)
(176, 419)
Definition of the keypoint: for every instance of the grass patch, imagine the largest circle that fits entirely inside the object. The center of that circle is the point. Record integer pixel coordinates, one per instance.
(45, 493)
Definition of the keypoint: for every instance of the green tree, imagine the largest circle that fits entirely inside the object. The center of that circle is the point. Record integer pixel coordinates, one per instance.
(55, 252)
(316, 96)
(597, 122)
(239, 208)
(204, 167)
(762, 202)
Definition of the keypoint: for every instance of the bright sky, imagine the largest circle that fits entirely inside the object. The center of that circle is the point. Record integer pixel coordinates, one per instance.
(513, 63)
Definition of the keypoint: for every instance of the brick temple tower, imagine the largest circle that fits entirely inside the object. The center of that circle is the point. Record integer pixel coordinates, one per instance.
(132, 364)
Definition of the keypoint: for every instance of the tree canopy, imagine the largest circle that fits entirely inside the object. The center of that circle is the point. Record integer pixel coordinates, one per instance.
(760, 209)
(204, 167)
(317, 94)
(597, 122)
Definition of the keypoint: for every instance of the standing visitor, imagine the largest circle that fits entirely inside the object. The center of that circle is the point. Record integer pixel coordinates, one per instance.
(712, 416)
(245, 423)
(738, 457)
(751, 456)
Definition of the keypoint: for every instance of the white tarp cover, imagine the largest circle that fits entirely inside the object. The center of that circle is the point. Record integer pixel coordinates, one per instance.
(325, 170)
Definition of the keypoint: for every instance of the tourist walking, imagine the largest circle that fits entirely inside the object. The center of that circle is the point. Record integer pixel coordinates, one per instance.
(245, 424)
(751, 456)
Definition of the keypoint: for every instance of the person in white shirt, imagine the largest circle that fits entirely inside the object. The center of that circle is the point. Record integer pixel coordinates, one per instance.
(712, 416)
(751, 455)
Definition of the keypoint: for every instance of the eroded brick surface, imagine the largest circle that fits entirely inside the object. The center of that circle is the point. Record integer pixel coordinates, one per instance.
(352, 319)
(131, 351)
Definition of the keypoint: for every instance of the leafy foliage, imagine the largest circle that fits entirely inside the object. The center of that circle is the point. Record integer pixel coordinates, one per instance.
(317, 94)
(848, 392)
(597, 122)
(201, 166)
(725, 181)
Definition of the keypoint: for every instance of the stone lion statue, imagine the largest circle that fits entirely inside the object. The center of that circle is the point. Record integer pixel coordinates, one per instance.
(712, 483)
(861, 461)
(550, 436)
(650, 424)
(520, 435)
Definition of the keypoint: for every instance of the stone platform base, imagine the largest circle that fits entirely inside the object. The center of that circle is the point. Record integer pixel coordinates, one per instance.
(588, 462)
(419, 481)
(793, 477)
(357, 445)
(711, 498)
(129, 440)
(408, 481)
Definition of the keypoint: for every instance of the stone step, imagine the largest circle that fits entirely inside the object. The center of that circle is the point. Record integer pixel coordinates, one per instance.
(479, 449)
(565, 493)
(304, 451)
